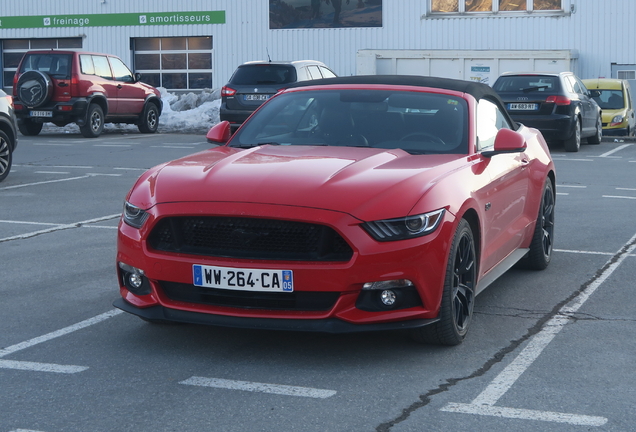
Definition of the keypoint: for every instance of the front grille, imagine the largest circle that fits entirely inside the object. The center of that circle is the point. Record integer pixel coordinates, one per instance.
(296, 301)
(249, 239)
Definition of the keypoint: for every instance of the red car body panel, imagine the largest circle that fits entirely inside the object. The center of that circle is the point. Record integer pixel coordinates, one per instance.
(343, 187)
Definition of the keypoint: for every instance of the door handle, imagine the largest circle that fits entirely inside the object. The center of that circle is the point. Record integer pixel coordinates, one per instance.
(119, 86)
(524, 162)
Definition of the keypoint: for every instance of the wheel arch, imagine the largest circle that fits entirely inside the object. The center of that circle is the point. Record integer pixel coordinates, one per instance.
(471, 216)
(100, 100)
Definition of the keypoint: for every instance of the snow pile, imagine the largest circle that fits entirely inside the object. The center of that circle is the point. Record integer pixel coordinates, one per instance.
(187, 113)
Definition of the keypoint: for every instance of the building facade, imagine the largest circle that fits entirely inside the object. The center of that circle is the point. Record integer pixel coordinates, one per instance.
(194, 44)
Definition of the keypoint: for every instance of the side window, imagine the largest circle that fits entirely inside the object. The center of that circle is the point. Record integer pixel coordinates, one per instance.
(569, 84)
(86, 64)
(314, 72)
(489, 121)
(629, 97)
(102, 68)
(326, 73)
(582, 88)
(121, 71)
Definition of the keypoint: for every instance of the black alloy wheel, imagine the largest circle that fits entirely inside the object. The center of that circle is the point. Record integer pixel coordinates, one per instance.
(458, 297)
(598, 136)
(540, 252)
(573, 144)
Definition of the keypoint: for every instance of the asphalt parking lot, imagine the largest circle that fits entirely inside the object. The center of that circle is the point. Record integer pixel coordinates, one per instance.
(548, 351)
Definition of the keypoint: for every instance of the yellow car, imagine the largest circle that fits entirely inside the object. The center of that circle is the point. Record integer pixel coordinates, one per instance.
(615, 99)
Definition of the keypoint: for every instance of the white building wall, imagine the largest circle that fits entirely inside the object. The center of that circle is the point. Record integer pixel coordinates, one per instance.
(602, 32)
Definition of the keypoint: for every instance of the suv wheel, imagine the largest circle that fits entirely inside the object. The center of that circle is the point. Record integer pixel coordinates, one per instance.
(29, 128)
(149, 119)
(34, 88)
(5, 156)
(94, 122)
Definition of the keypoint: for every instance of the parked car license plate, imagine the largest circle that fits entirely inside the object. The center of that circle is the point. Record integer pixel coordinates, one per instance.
(256, 97)
(41, 113)
(243, 279)
(523, 106)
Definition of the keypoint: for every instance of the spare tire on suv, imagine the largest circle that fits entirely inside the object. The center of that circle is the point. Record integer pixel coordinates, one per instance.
(65, 87)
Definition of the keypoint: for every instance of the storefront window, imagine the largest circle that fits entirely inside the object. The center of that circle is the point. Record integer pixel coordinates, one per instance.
(445, 6)
(547, 4)
(14, 49)
(512, 5)
(178, 63)
(494, 6)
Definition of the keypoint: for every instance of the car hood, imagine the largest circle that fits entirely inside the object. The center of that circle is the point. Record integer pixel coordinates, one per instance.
(609, 114)
(366, 183)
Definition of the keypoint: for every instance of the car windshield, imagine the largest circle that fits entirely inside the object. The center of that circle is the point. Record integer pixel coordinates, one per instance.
(416, 122)
(265, 74)
(608, 99)
(56, 65)
(527, 84)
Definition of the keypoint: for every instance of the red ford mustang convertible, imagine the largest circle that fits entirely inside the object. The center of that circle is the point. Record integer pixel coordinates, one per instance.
(342, 205)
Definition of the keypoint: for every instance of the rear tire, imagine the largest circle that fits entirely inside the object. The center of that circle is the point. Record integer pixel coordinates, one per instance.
(150, 119)
(598, 136)
(6, 156)
(29, 128)
(573, 144)
(94, 122)
(458, 297)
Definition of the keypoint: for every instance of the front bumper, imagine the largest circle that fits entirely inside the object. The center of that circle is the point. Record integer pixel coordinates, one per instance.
(420, 260)
(329, 325)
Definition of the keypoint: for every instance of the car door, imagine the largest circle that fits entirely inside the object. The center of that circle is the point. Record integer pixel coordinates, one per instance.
(130, 94)
(105, 81)
(505, 199)
(589, 111)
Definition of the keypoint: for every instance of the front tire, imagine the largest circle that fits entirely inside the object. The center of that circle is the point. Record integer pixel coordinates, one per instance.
(458, 297)
(573, 144)
(150, 119)
(540, 252)
(6, 156)
(29, 128)
(598, 136)
(94, 122)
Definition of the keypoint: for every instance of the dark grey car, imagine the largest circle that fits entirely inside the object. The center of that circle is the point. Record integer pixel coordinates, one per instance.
(252, 83)
(558, 104)
(8, 135)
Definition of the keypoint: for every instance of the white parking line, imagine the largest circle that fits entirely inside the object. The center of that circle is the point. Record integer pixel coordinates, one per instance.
(259, 387)
(66, 330)
(52, 172)
(41, 367)
(619, 148)
(619, 197)
(484, 403)
(59, 228)
(44, 182)
(573, 160)
(572, 186)
(49, 367)
(627, 189)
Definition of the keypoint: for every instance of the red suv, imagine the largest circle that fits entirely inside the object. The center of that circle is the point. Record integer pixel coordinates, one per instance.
(89, 89)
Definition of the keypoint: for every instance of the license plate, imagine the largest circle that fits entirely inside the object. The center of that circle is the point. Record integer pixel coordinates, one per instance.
(256, 97)
(243, 279)
(41, 113)
(523, 106)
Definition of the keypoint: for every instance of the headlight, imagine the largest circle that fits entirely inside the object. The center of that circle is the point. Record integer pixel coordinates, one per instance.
(617, 120)
(404, 228)
(134, 216)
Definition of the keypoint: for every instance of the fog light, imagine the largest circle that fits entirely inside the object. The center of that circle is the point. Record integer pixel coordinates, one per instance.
(388, 297)
(135, 280)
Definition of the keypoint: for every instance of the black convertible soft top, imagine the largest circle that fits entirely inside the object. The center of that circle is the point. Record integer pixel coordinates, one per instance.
(477, 90)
